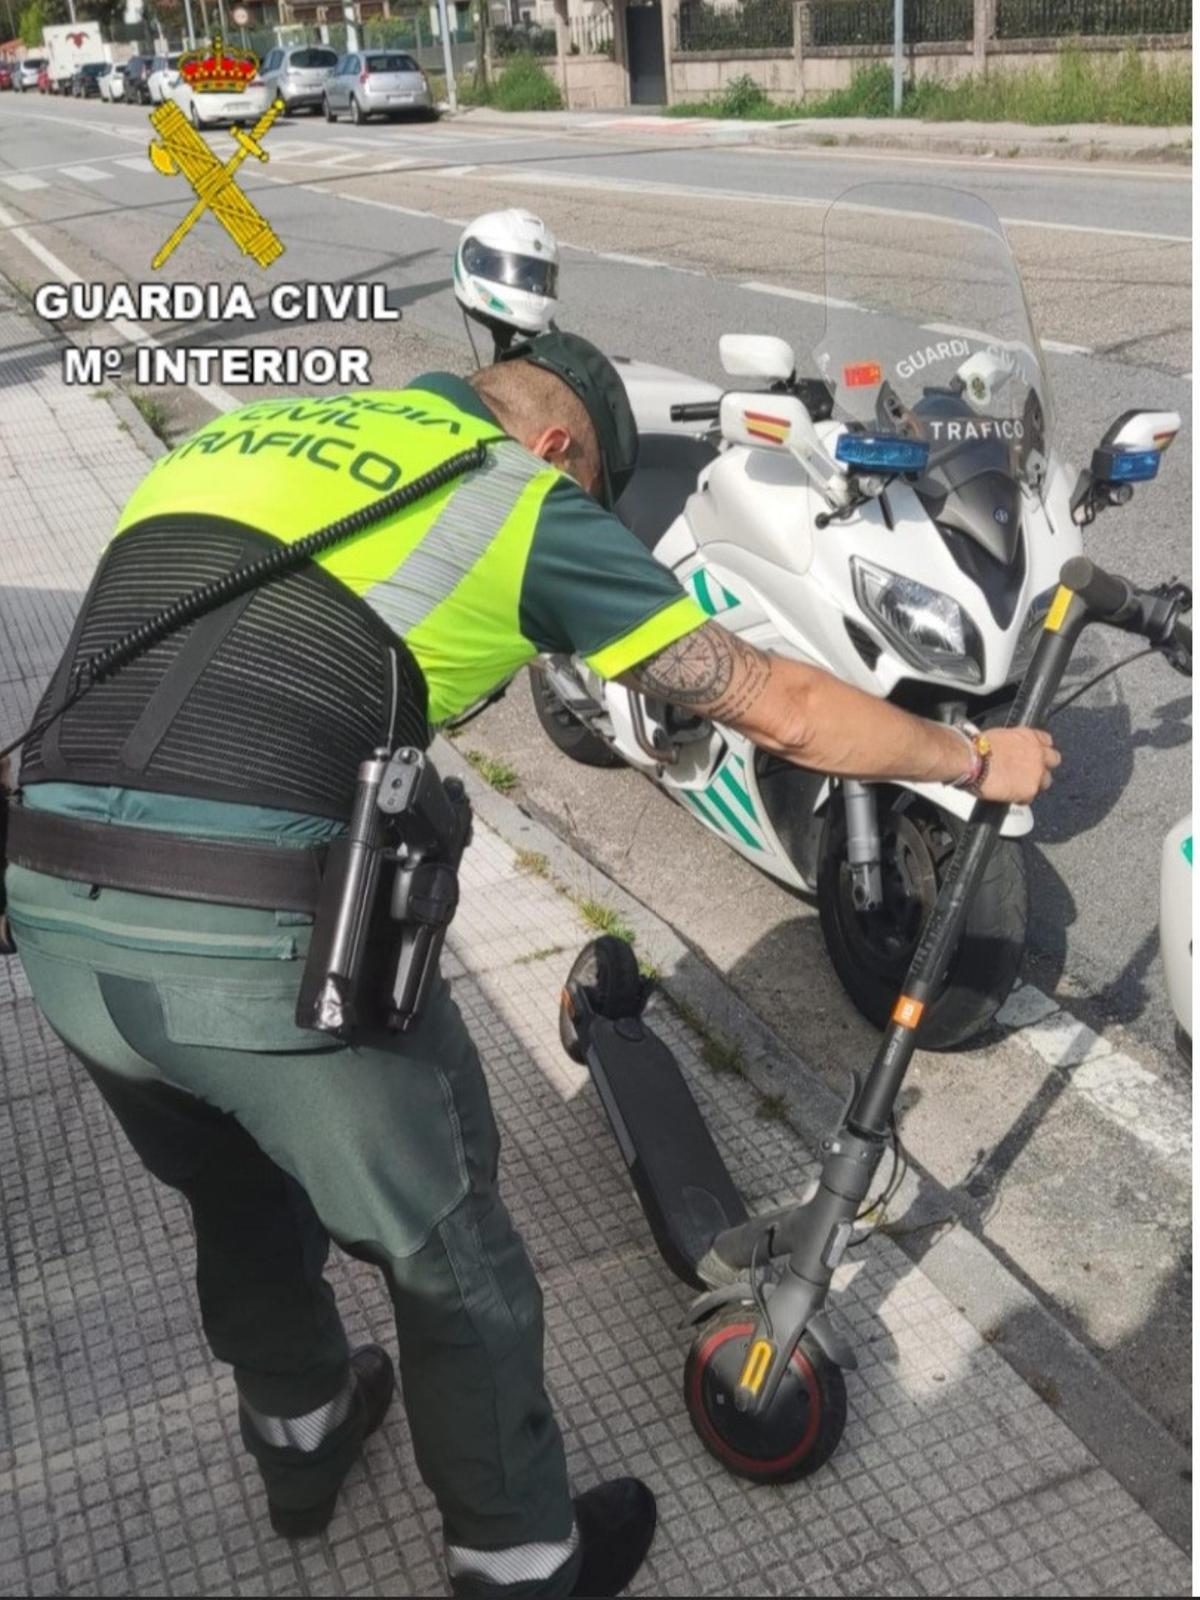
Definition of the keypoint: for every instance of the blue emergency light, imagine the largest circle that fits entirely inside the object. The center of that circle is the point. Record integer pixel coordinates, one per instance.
(1132, 466)
(880, 452)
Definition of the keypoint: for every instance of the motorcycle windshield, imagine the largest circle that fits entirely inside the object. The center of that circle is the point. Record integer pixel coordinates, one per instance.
(927, 331)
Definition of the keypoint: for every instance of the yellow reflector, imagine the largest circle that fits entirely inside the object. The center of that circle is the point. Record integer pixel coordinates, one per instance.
(758, 1364)
(1058, 608)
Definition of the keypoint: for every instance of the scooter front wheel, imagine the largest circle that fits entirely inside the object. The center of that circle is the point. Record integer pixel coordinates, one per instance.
(799, 1430)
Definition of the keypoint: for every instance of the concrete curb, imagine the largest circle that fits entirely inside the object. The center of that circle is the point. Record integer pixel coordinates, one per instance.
(930, 1223)
(791, 136)
(1001, 141)
(131, 419)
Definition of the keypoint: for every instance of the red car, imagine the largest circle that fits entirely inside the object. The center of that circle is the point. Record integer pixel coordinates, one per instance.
(5, 76)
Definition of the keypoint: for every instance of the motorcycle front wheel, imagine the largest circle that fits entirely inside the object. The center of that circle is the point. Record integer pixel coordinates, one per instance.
(871, 950)
(565, 731)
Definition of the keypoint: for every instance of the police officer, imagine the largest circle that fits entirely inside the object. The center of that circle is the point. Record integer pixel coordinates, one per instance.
(165, 852)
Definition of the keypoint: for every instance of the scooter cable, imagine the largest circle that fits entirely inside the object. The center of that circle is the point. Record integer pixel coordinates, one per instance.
(1150, 650)
(881, 1202)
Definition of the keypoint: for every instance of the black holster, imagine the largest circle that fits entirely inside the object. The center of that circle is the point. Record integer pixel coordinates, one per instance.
(388, 894)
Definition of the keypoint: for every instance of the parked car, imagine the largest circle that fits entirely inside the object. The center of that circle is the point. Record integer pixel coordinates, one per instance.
(162, 77)
(298, 75)
(85, 84)
(137, 73)
(376, 83)
(112, 84)
(27, 73)
(6, 75)
(205, 110)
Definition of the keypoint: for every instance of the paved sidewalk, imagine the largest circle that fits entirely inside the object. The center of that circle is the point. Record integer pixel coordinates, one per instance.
(120, 1466)
(1090, 141)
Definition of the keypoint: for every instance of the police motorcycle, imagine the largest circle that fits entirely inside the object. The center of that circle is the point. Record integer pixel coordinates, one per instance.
(899, 518)
(1175, 927)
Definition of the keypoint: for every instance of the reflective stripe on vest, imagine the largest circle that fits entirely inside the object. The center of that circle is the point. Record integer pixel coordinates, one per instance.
(446, 573)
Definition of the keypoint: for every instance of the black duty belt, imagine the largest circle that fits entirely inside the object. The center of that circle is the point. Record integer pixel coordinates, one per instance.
(266, 877)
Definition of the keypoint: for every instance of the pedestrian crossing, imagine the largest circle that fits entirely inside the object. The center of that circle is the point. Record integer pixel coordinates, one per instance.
(348, 155)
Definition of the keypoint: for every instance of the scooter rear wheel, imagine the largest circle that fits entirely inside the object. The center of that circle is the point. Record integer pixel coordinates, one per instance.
(608, 970)
(800, 1429)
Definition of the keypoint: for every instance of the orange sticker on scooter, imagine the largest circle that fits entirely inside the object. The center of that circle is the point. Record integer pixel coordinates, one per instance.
(758, 1364)
(908, 1012)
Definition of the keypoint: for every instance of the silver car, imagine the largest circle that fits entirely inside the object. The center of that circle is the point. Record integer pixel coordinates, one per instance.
(377, 83)
(298, 75)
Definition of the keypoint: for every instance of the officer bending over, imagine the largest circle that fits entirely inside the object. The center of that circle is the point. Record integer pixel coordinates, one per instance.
(175, 979)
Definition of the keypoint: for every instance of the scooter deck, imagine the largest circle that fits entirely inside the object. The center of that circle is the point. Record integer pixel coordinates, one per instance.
(680, 1178)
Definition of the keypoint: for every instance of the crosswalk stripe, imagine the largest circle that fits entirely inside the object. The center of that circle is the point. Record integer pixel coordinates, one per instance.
(86, 174)
(133, 163)
(23, 180)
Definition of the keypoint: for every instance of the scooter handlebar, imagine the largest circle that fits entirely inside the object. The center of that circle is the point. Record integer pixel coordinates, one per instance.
(1108, 597)
(1155, 615)
(696, 411)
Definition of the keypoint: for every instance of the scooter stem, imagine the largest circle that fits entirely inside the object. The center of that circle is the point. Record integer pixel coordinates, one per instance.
(816, 1234)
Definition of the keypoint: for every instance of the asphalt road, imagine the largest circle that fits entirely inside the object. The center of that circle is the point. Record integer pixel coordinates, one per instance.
(665, 236)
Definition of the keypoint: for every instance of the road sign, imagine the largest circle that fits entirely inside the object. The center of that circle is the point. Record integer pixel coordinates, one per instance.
(240, 15)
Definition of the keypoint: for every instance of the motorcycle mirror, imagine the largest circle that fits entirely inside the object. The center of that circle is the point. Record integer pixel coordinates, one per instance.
(783, 422)
(757, 355)
(1132, 449)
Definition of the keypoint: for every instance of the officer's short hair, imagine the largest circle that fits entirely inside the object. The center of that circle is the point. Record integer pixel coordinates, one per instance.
(527, 399)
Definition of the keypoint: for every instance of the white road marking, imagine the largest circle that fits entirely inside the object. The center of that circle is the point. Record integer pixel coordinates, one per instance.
(214, 393)
(1118, 1087)
(133, 163)
(86, 174)
(692, 191)
(23, 180)
(806, 295)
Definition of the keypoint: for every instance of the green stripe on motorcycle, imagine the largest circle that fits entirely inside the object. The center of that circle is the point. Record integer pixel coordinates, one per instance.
(700, 583)
(739, 794)
(697, 803)
(734, 822)
(1187, 849)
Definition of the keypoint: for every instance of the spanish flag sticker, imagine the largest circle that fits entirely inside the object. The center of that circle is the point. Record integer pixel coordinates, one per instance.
(774, 430)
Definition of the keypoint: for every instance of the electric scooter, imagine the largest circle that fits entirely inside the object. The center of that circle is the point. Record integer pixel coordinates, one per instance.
(763, 1383)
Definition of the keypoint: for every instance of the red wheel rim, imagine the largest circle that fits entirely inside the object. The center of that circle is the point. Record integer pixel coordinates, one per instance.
(755, 1465)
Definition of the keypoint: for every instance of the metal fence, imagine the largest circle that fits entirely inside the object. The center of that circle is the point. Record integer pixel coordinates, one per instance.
(849, 22)
(749, 25)
(1055, 19)
(524, 41)
(592, 35)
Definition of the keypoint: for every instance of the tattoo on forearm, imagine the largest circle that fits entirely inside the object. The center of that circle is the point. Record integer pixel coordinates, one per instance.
(711, 671)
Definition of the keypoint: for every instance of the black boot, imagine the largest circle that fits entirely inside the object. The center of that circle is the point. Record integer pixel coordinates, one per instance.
(374, 1384)
(616, 1524)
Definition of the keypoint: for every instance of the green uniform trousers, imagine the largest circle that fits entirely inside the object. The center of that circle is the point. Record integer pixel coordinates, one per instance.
(279, 1139)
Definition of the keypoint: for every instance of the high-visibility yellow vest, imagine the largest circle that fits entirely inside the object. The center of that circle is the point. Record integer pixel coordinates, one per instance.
(445, 574)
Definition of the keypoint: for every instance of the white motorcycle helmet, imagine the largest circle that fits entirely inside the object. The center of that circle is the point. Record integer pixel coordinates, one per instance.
(506, 274)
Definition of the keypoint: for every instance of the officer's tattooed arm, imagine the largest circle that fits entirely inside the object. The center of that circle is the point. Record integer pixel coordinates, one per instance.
(798, 711)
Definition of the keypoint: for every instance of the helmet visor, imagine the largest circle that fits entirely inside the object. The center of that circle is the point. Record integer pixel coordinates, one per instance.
(515, 271)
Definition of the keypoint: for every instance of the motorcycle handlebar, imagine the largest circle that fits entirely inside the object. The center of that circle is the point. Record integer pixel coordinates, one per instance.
(696, 411)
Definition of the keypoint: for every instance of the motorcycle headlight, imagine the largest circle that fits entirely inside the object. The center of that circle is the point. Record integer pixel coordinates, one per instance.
(1031, 631)
(929, 629)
